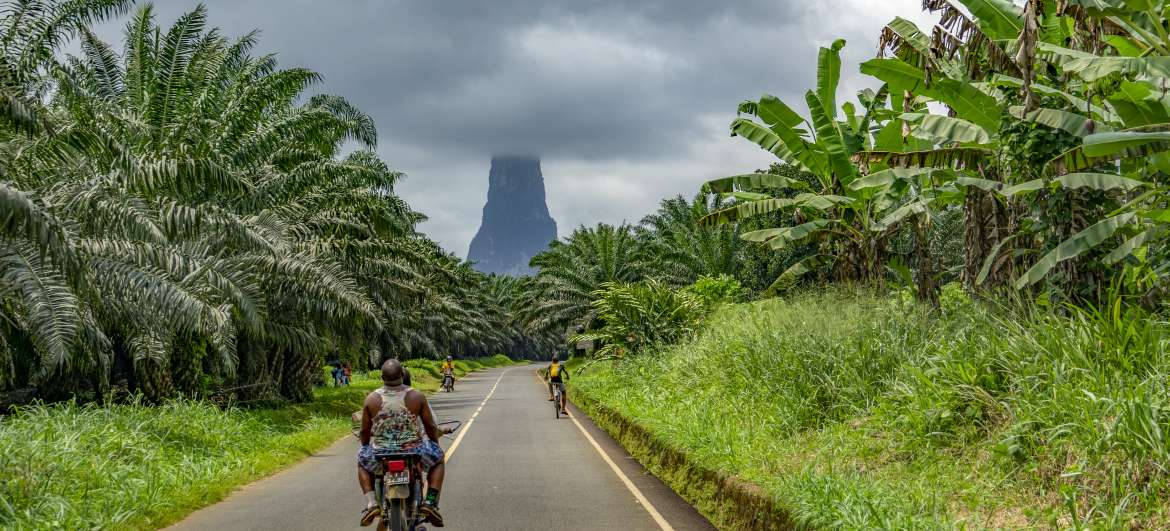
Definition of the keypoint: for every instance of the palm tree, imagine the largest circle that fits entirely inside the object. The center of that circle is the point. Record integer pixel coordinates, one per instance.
(571, 270)
(686, 249)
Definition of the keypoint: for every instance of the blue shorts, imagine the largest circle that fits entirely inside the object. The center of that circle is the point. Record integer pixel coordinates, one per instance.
(430, 452)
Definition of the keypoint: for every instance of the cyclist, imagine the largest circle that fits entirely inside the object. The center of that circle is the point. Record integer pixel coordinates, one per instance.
(398, 418)
(448, 370)
(556, 374)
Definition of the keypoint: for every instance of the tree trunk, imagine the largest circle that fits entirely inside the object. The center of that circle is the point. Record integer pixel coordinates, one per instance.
(154, 380)
(296, 382)
(927, 287)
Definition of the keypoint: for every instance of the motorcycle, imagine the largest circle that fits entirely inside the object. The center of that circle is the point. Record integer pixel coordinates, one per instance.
(448, 382)
(400, 491)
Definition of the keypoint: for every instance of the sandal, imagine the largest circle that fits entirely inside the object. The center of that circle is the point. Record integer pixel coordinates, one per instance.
(369, 514)
(431, 513)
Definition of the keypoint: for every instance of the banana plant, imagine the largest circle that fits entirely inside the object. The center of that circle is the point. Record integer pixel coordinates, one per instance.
(968, 139)
(850, 212)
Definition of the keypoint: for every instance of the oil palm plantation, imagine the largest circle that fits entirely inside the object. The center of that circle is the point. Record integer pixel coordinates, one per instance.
(183, 210)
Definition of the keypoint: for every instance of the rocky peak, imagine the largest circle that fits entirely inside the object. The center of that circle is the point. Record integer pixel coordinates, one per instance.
(516, 224)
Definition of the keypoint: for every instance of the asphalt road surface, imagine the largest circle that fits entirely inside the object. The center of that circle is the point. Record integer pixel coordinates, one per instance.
(513, 467)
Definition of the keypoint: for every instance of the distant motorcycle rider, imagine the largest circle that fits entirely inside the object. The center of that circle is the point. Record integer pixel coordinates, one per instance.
(448, 371)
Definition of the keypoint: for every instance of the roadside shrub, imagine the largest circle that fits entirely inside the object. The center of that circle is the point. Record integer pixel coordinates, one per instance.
(643, 315)
(717, 290)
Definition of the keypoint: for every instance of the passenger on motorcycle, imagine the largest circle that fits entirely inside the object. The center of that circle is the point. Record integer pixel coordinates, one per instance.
(397, 418)
(556, 374)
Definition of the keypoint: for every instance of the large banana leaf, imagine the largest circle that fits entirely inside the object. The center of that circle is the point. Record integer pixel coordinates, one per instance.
(779, 238)
(829, 76)
(909, 35)
(1080, 104)
(999, 19)
(829, 135)
(1024, 187)
(765, 138)
(915, 207)
(1077, 244)
(797, 270)
(1127, 248)
(1137, 103)
(1099, 181)
(765, 206)
(1057, 119)
(821, 202)
(947, 129)
(773, 111)
(1094, 68)
(1095, 181)
(785, 143)
(1129, 143)
(887, 177)
(751, 180)
(986, 185)
(745, 196)
(958, 158)
(1078, 159)
(744, 210)
(965, 99)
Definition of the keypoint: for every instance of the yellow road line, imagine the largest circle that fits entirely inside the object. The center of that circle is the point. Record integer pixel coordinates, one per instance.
(463, 431)
(658, 519)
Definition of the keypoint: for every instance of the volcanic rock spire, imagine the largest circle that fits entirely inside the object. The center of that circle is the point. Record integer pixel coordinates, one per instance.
(516, 223)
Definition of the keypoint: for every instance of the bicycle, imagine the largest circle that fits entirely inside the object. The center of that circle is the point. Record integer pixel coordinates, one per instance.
(558, 398)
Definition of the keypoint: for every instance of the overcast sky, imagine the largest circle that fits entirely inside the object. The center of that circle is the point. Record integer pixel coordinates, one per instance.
(625, 101)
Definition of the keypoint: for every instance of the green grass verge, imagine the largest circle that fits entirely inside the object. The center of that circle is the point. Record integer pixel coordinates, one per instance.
(860, 412)
(133, 466)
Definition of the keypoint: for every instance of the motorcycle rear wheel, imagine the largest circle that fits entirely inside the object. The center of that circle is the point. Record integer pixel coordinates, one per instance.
(396, 520)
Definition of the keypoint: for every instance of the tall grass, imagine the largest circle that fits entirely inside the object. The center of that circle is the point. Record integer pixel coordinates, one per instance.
(70, 466)
(858, 411)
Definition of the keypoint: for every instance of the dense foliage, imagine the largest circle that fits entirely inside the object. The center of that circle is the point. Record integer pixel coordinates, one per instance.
(183, 216)
(1052, 152)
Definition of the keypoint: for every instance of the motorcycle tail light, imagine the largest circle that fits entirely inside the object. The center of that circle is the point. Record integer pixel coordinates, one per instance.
(395, 466)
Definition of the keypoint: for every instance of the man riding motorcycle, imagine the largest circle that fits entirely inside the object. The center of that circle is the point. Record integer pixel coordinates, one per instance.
(448, 371)
(397, 418)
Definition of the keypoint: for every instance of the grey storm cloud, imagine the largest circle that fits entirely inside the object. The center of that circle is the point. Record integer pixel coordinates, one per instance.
(627, 102)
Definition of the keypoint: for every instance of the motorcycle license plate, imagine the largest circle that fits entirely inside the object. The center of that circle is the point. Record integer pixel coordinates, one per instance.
(397, 478)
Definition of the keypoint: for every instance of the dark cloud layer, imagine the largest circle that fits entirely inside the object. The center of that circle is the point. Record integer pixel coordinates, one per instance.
(626, 101)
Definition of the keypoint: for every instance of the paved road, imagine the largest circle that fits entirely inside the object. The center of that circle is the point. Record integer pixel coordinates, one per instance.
(515, 468)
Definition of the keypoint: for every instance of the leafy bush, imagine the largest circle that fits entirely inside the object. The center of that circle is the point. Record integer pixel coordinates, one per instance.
(716, 290)
(953, 298)
(642, 315)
